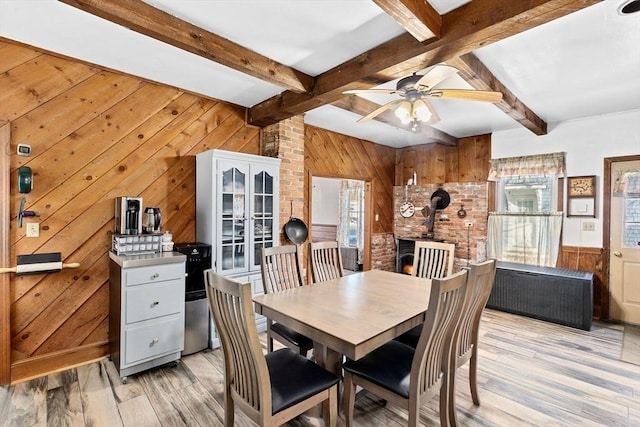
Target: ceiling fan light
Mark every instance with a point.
(421, 111)
(403, 112)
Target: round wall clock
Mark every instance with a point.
(407, 209)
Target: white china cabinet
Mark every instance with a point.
(237, 214)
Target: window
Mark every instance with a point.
(628, 186)
(355, 214)
(526, 227)
(530, 193)
(351, 215)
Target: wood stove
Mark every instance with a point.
(404, 255)
(405, 247)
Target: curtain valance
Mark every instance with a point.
(540, 164)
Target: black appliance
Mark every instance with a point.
(196, 317)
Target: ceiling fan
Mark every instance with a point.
(413, 106)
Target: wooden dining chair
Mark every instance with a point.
(433, 260)
(326, 261)
(481, 280)
(280, 267)
(271, 389)
(407, 376)
(430, 260)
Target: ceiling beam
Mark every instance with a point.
(472, 26)
(479, 77)
(362, 106)
(150, 21)
(418, 17)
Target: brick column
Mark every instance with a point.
(285, 140)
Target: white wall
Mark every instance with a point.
(324, 199)
(586, 143)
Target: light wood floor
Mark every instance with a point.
(531, 373)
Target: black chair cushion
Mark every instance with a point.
(294, 378)
(289, 334)
(388, 366)
(411, 337)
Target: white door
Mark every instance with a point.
(624, 285)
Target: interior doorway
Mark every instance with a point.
(339, 212)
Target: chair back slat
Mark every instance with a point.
(432, 354)
(326, 261)
(433, 260)
(481, 280)
(280, 267)
(246, 369)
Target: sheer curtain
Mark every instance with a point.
(342, 230)
(525, 238)
(350, 230)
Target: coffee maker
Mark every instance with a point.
(128, 215)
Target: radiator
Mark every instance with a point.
(349, 258)
(555, 295)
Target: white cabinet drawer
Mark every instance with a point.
(163, 336)
(154, 300)
(156, 273)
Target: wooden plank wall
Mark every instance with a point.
(587, 259)
(328, 154)
(95, 135)
(324, 232)
(437, 164)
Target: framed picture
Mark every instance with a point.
(581, 196)
(582, 186)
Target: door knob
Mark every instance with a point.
(618, 254)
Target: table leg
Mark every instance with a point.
(329, 359)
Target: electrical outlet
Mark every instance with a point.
(33, 229)
(468, 224)
(588, 226)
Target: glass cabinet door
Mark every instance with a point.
(264, 190)
(233, 218)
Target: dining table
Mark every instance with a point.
(351, 315)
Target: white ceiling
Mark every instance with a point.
(584, 64)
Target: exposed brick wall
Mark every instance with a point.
(447, 225)
(289, 142)
(289, 136)
(383, 252)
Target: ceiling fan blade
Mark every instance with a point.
(379, 91)
(380, 110)
(435, 75)
(468, 95)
